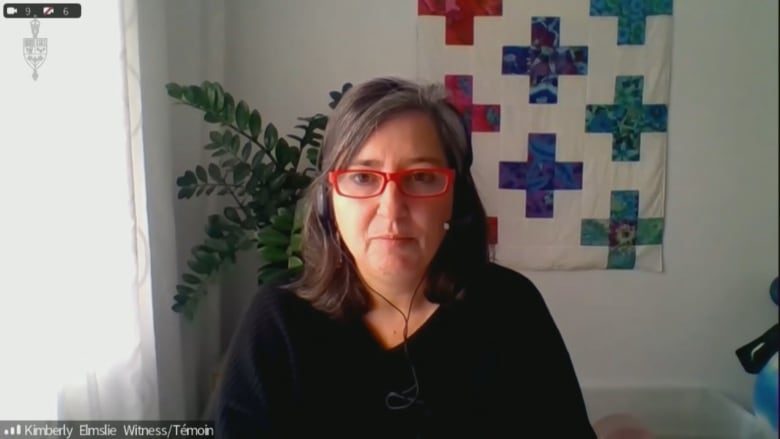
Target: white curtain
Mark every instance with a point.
(76, 333)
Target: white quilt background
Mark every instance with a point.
(555, 243)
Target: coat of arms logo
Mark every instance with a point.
(35, 49)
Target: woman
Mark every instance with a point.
(399, 326)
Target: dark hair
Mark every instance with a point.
(329, 280)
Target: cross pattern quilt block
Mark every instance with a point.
(567, 102)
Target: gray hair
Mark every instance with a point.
(329, 280)
(368, 105)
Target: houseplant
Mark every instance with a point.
(263, 174)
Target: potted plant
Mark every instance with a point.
(263, 174)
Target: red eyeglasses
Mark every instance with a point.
(417, 183)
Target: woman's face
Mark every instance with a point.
(393, 234)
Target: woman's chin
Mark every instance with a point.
(398, 267)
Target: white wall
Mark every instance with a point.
(622, 328)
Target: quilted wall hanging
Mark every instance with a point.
(567, 101)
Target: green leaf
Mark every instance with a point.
(216, 137)
(211, 93)
(212, 146)
(219, 99)
(271, 274)
(246, 244)
(313, 155)
(174, 90)
(269, 236)
(295, 271)
(212, 117)
(190, 94)
(282, 153)
(214, 227)
(230, 162)
(271, 136)
(191, 279)
(186, 193)
(210, 189)
(299, 181)
(249, 223)
(199, 266)
(246, 151)
(294, 262)
(262, 195)
(235, 143)
(294, 156)
(227, 137)
(285, 195)
(214, 172)
(200, 171)
(242, 115)
(298, 221)
(296, 243)
(283, 222)
(202, 251)
(277, 182)
(257, 161)
(187, 179)
(232, 214)
(240, 172)
(189, 308)
(255, 124)
(203, 97)
(228, 109)
(184, 289)
(219, 245)
(273, 254)
(319, 122)
(283, 211)
(268, 171)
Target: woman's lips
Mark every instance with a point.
(393, 238)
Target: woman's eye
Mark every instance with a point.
(363, 178)
(423, 177)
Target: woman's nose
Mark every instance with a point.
(392, 203)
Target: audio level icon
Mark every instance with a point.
(13, 431)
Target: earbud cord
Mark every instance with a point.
(415, 387)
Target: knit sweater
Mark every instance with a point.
(488, 364)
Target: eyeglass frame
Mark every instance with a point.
(395, 177)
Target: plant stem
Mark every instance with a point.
(260, 145)
(235, 128)
(229, 187)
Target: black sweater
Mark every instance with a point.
(489, 364)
